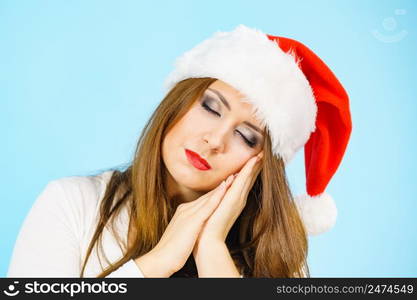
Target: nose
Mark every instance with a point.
(216, 139)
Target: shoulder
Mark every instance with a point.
(74, 199)
(82, 190)
(54, 232)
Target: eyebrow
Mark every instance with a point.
(228, 107)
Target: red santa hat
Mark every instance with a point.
(293, 93)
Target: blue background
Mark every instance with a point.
(79, 79)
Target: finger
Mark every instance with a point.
(261, 154)
(205, 209)
(245, 178)
(204, 198)
(245, 172)
(218, 196)
(212, 197)
(254, 173)
(252, 178)
(255, 166)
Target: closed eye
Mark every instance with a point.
(248, 142)
(209, 109)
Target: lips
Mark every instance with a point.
(197, 161)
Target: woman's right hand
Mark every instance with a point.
(178, 240)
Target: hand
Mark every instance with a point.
(178, 240)
(218, 225)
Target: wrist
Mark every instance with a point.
(153, 264)
(206, 247)
(211, 240)
(213, 259)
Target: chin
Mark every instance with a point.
(198, 186)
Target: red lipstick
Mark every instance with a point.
(197, 161)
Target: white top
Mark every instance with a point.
(59, 227)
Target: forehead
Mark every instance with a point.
(234, 97)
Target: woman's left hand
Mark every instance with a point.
(221, 221)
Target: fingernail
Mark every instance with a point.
(260, 157)
(229, 179)
(223, 184)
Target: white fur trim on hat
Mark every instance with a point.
(318, 213)
(269, 78)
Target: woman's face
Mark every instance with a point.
(220, 128)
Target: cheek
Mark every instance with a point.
(198, 120)
(234, 162)
(174, 143)
(190, 125)
(179, 133)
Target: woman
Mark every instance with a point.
(206, 194)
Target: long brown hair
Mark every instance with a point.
(267, 240)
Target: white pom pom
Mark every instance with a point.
(318, 213)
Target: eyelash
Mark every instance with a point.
(249, 143)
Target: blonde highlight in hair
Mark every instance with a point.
(267, 240)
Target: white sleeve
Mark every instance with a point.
(128, 269)
(47, 245)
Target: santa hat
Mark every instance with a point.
(294, 94)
